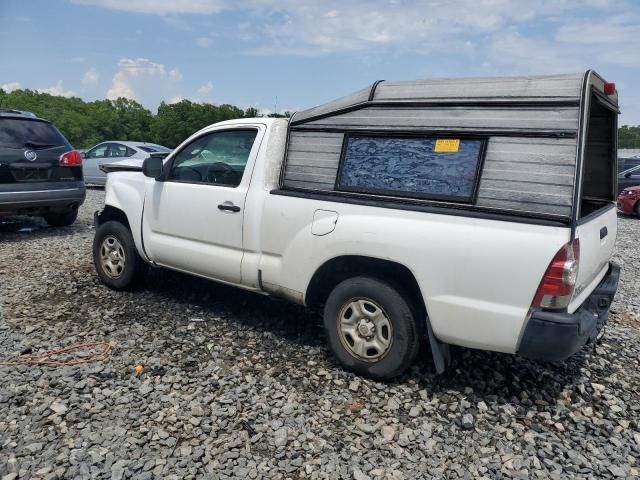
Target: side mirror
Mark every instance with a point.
(152, 167)
(83, 154)
(627, 175)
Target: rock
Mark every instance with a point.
(365, 427)
(58, 408)
(616, 471)
(34, 447)
(388, 433)
(358, 475)
(467, 421)
(146, 389)
(280, 437)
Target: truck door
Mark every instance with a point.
(193, 218)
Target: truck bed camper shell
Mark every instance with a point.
(545, 144)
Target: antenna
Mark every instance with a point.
(275, 106)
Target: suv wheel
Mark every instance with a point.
(115, 257)
(371, 327)
(61, 219)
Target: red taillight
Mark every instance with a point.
(556, 287)
(71, 159)
(609, 88)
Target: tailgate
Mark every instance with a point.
(597, 235)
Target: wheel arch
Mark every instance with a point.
(111, 213)
(337, 269)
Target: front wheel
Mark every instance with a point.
(372, 328)
(115, 257)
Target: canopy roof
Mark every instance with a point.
(534, 89)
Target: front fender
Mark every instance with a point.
(125, 191)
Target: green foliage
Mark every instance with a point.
(629, 137)
(87, 123)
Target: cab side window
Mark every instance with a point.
(216, 158)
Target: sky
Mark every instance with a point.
(282, 55)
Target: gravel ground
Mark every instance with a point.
(251, 391)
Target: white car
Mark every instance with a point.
(117, 152)
(470, 212)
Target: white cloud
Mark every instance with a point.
(309, 27)
(157, 7)
(143, 80)
(204, 42)
(57, 90)
(614, 40)
(205, 89)
(90, 77)
(10, 87)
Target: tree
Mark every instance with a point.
(629, 137)
(87, 123)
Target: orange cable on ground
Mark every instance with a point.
(44, 359)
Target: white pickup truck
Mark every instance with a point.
(470, 212)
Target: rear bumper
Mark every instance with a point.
(554, 336)
(17, 198)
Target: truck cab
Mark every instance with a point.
(470, 212)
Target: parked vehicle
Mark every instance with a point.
(629, 178)
(629, 201)
(471, 212)
(125, 153)
(40, 172)
(625, 164)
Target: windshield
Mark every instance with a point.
(18, 133)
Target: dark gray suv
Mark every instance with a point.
(40, 172)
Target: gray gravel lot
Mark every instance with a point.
(252, 392)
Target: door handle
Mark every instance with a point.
(228, 207)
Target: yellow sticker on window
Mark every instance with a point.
(447, 145)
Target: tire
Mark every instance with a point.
(395, 341)
(116, 258)
(638, 208)
(62, 219)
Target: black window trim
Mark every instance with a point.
(95, 148)
(174, 154)
(469, 200)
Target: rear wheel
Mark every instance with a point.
(61, 219)
(371, 327)
(115, 257)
